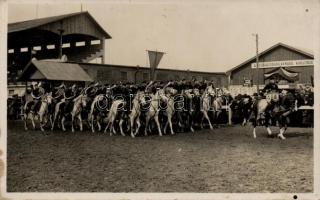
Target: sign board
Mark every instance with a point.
(247, 82)
(285, 63)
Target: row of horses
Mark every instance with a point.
(161, 110)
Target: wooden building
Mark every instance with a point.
(136, 74)
(288, 65)
(77, 35)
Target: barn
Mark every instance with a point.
(288, 65)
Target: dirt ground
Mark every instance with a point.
(224, 160)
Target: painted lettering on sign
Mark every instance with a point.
(285, 63)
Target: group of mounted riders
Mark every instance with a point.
(179, 106)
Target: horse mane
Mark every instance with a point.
(77, 98)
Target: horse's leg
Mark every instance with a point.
(41, 122)
(32, 120)
(165, 127)
(25, 116)
(282, 128)
(205, 114)
(138, 126)
(254, 123)
(99, 125)
(170, 124)
(62, 123)
(191, 122)
(147, 124)
(131, 125)
(120, 124)
(54, 120)
(267, 125)
(80, 121)
(156, 118)
(72, 122)
(105, 130)
(201, 123)
(92, 125)
(111, 127)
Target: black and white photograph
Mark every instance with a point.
(160, 97)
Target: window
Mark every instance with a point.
(11, 51)
(25, 49)
(79, 44)
(94, 42)
(37, 48)
(66, 45)
(52, 46)
(123, 76)
(11, 92)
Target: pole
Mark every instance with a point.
(60, 42)
(154, 69)
(257, 61)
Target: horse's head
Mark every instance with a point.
(48, 98)
(211, 91)
(161, 95)
(171, 91)
(141, 97)
(196, 92)
(84, 99)
(188, 93)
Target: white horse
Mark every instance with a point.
(112, 114)
(171, 92)
(92, 116)
(153, 111)
(135, 113)
(206, 97)
(78, 104)
(46, 100)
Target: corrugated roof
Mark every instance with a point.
(268, 50)
(58, 71)
(34, 23)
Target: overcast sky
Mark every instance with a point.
(208, 36)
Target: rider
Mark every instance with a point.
(69, 94)
(36, 92)
(271, 87)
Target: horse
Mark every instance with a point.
(78, 104)
(171, 92)
(153, 111)
(135, 113)
(223, 98)
(192, 103)
(284, 105)
(40, 111)
(96, 111)
(242, 105)
(206, 104)
(117, 105)
(55, 106)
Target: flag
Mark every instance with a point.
(154, 60)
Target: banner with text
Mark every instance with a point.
(285, 63)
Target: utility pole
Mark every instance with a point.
(257, 60)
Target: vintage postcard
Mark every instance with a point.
(160, 99)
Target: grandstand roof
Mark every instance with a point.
(35, 23)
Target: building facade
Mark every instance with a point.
(289, 66)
